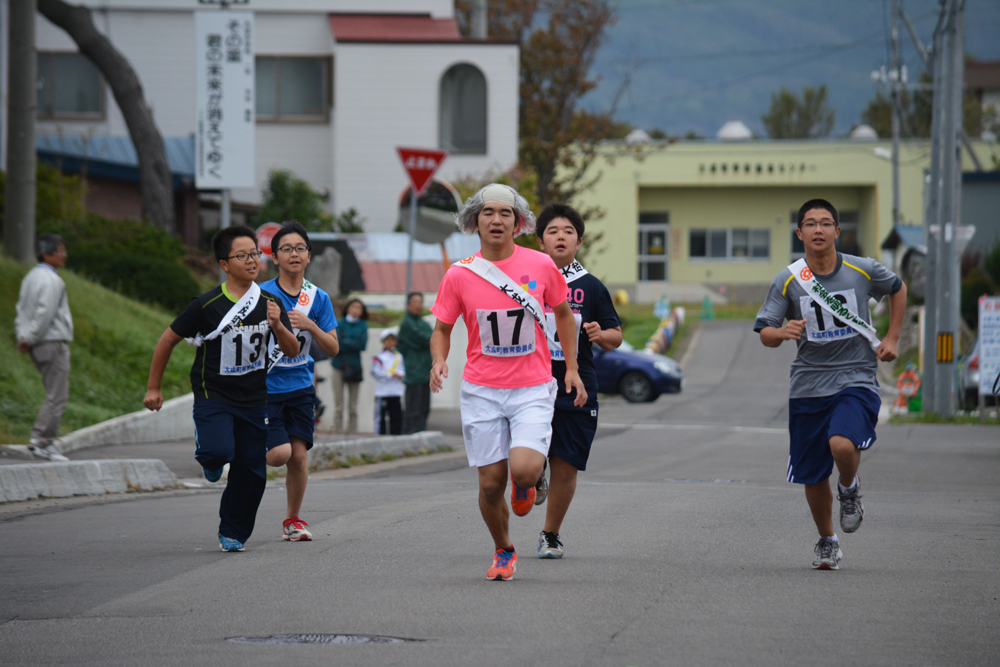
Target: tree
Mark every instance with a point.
(559, 40)
(790, 117)
(916, 109)
(155, 180)
(288, 197)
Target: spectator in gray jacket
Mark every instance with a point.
(44, 327)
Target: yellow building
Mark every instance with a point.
(685, 216)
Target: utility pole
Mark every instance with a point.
(944, 215)
(19, 193)
(897, 81)
(479, 21)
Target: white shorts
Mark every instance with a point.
(495, 420)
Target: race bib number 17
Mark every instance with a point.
(506, 333)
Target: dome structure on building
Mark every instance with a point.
(734, 130)
(638, 136)
(864, 133)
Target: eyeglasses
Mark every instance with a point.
(244, 256)
(289, 249)
(825, 225)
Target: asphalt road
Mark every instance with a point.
(685, 546)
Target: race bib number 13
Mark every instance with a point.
(242, 351)
(506, 333)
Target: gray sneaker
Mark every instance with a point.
(828, 554)
(541, 489)
(549, 545)
(852, 511)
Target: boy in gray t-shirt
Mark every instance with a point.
(833, 399)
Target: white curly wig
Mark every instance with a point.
(468, 218)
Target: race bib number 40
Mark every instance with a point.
(506, 333)
(821, 325)
(243, 350)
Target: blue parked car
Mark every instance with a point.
(638, 376)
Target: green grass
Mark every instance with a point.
(934, 418)
(114, 341)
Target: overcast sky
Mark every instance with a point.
(694, 64)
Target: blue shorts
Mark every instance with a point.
(572, 435)
(851, 413)
(291, 415)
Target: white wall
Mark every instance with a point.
(446, 399)
(387, 95)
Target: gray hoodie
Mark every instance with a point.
(42, 308)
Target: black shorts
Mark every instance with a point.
(572, 435)
(291, 415)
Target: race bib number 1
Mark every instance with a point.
(821, 325)
(305, 344)
(242, 351)
(506, 333)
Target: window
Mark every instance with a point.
(847, 242)
(293, 89)
(654, 229)
(462, 113)
(69, 86)
(725, 243)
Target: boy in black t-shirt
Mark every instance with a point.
(230, 324)
(560, 233)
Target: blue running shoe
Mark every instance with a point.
(213, 475)
(228, 543)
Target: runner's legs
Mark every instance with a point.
(562, 487)
(493, 502)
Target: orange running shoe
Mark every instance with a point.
(521, 499)
(504, 564)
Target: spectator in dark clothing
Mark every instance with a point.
(415, 346)
(347, 365)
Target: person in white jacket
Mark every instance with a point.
(388, 369)
(44, 328)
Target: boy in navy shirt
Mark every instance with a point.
(231, 325)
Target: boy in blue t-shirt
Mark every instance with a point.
(290, 390)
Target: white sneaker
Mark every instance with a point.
(49, 452)
(549, 545)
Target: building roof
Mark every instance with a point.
(112, 157)
(982, 75)
(382, 258)
(399, 28)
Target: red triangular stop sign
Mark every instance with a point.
(420, 165)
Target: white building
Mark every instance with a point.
(339, 85)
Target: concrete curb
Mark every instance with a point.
(172, 422)
(26, 481)
(323, 453)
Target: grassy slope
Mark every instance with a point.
(114, 341)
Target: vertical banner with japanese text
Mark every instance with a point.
(224, 139)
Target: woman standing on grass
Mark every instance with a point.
(347, 365)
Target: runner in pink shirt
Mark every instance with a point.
(508, 391)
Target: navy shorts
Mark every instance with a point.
(224, 433)
(851, 413)
(572, 435)
(291, 415)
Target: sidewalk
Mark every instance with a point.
(118, 468)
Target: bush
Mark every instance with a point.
(991, 262)
(149, 279)
(123, 238)
(974, 285)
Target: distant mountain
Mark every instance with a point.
(683, 65)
